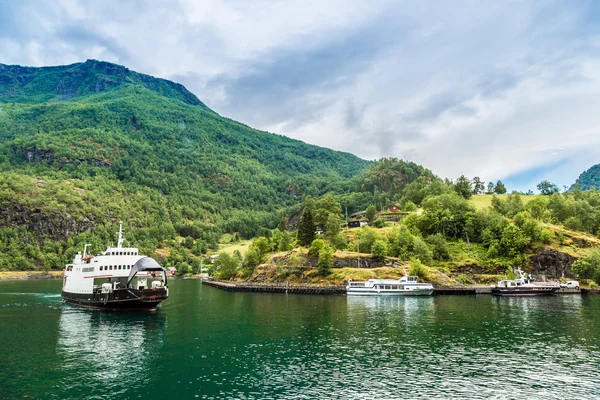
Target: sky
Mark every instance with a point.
(501, 90)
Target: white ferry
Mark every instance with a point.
(405, 286)
(119, 278)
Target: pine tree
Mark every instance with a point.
(306, 229)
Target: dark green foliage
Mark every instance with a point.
(588, 267)
(478, 185)
(306, 229)
(463, 187)
(226, 266)
(499, 188)
(379, 223)
(371, 212)
(439, 247)
(390, 175)
(547, 188)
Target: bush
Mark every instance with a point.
(546, 236)
(439, 247)
(316, 247)
(464, 279)
(379, 223)
(379, 249)
(325, 260)
(422, 251)
(417, 268)
(339, 241)
(409, 206)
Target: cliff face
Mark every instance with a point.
(553, 263)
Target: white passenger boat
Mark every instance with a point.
(119, 278)
(405, 286)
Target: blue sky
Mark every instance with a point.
(500, 90)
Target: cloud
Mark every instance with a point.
(499, 90)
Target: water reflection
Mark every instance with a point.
(112, 351)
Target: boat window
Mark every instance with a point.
(100, 268)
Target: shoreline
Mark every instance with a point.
(29, 275)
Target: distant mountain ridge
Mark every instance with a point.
(25, 84)
(589, 179)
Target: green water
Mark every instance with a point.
(205, 343)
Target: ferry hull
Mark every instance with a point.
(126, 299)
(523, 291)
(424, 292)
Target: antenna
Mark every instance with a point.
(121, 238)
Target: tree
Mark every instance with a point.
(333, 225)
(325, 260)
(499, 188)
(306, 229)
(490, 188)
(316, 247)
(371, 211)
(226, 266)
(547, 188)
(283, 223)
(478, 185)
(463, 187)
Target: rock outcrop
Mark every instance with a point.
(553, 263)
(41, 223)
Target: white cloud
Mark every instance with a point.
(488, 89)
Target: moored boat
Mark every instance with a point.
(524, 286)
(118, 278)
(405, 286)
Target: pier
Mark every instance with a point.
(276, 287)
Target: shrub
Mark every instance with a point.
(316, 247)
(379, 249)
(417, 268)
(409, 206)
(422, 251)
(546, 236)
(464, 279)
(439, 247)
(339, 241)
(379, 223)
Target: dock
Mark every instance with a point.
(276, 287)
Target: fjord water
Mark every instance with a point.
(208, 344)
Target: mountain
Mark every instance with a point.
(589, 179)
(85, 145)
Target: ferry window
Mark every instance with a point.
(100, 268)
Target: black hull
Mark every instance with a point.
(124, 299)
(523, 291)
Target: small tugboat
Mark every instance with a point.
(405, 286)
(119, 278)
(524, 286)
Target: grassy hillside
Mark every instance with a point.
(483, 201)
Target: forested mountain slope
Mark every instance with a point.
(85, 145)
(589, 179)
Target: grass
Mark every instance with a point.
(483, 201)
(229, 248)
(26, 274)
